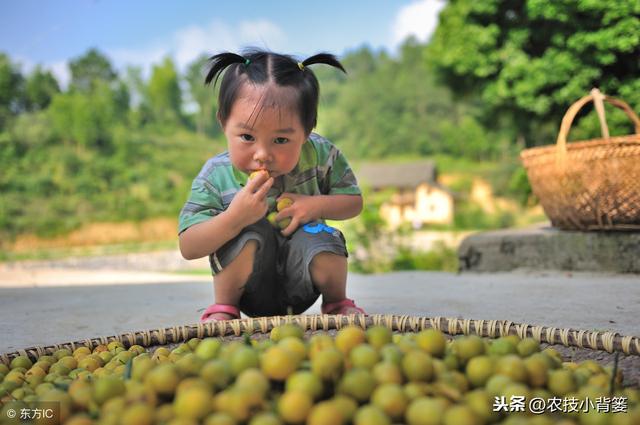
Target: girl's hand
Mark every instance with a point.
(304, 209)
(250, 203)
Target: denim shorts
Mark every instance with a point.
(280, 281)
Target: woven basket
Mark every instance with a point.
(593, 184)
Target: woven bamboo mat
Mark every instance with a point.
(601, 341)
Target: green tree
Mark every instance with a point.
(202, 95)
(121, 99)
(140, 112)
(89, 68)
(40, 87)
(164, 94)
(531, 59)
(394, 106)
(11, 90)
(86, 120)
(361, 61)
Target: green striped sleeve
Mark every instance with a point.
(335, 170)
(204, 202)
(341, 177)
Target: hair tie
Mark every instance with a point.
(247, 62)
(301, 66)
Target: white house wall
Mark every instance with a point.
(433, 205)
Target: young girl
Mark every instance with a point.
(267, 108)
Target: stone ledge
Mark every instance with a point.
(543, 247)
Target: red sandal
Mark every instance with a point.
(219, 308)
(340, 307)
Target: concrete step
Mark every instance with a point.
(542, 247)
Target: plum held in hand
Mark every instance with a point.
(257, 173)
(282, 204)
(282, 224)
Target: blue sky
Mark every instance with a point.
(142, 32)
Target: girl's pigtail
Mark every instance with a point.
(219, 63)
(326, 59)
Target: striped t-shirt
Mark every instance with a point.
(321, 170)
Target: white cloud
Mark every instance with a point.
(61, 71)
(25, 64)
(186, 44)
(262, 33)
(419, 19)
(190, 42)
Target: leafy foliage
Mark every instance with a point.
(440, 258)
(530, 59)
(164, 94)
(203, 96)
(40, 87)
(11, 90)
(89, 69)
(395, 107)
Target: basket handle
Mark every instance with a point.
(597, 97)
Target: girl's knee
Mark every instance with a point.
(242, 265)
(327, 267)
(246, 256)
(251, 247)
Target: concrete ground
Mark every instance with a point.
(48, 307)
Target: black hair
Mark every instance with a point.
(262, 67)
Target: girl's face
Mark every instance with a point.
(262, 136)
